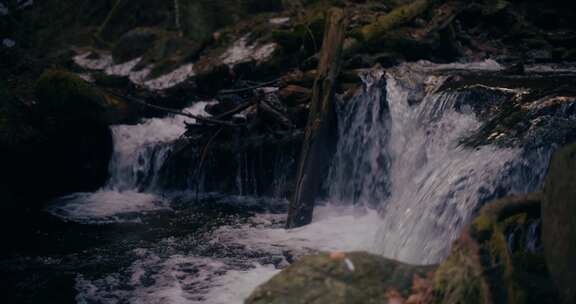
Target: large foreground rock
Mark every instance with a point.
(355, 277)
(559, 222)
(498, 258)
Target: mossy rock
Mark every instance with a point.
(559, 221)
(168, 53)
(135, 43)
(48, 139)
(126, 15)
(492, 262)
(66, 96)
(15, 126)
(458, 279)
(355, 277)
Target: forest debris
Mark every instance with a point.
(203, 119)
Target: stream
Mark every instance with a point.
(401, 185)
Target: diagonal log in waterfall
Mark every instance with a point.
(319, 142)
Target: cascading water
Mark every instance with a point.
(139, 153)
(402, 184)
(361, 164)
(402, 153)
(436, 182)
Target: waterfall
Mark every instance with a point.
(400, 151)
(402, 184)
(133, 187)
(361, 165)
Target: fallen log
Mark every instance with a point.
(250, 88)
(380, 28)
(175, 112)
(395, 18)
(321, 130)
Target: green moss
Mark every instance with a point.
(482, 227)
(458, 279)
(66, 96)
(324, 280)
(559, 221)
(483, 264)
(393, 19)
(126, 15)
(135, 43)
(63, 93)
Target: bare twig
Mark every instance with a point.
(224, 92)
(203, 157)
(176, 112)
(236, 110)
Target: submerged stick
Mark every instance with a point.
(321, 130)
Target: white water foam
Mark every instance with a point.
(105, 207)
(335, 228)
(231, 277)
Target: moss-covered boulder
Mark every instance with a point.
(559, 221)
(62, 136)
(67, 97)
(135, 43)
(163, 49)
(341, 278)
(499, 258)
(126, 15)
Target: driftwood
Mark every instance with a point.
(250, 88)
(320, 137)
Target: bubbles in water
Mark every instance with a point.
(107, 206)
